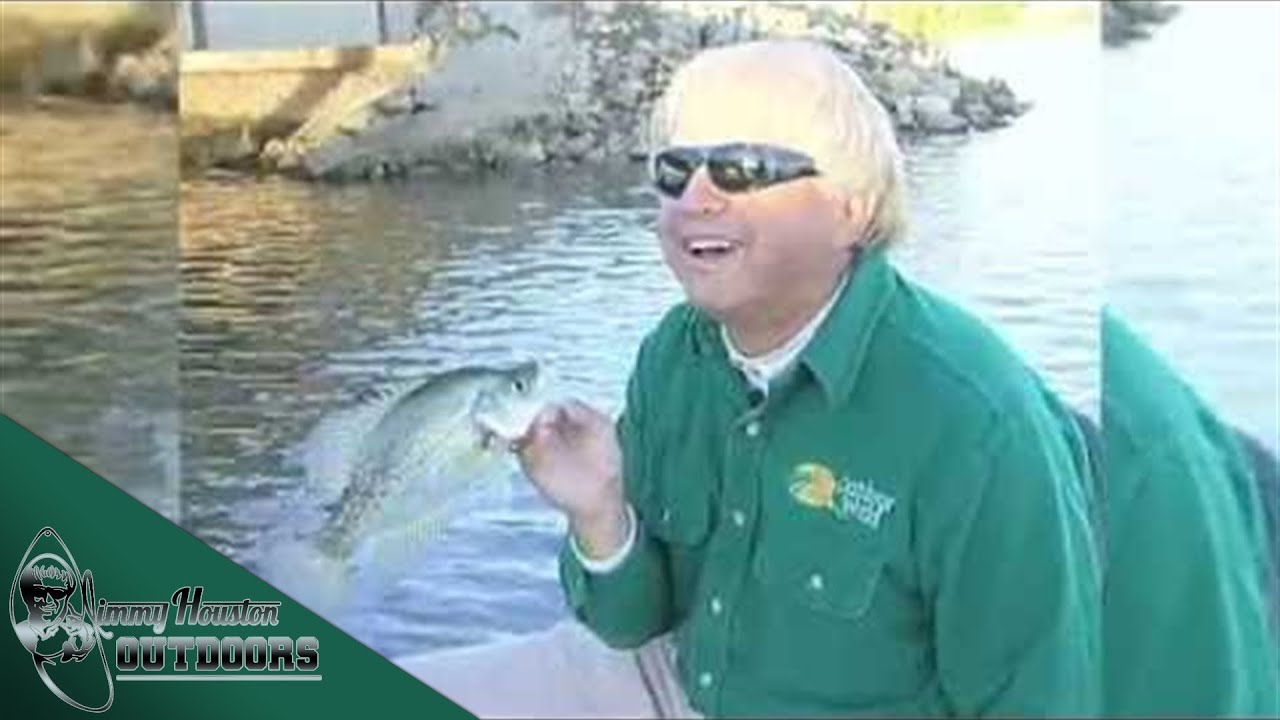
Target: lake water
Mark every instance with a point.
(294, 298)
(89, 288)
(1192, 187)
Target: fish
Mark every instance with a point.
(430, 446)
(397, 467)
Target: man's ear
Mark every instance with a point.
(856, 211)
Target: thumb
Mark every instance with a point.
(581, 414)
(544, 426)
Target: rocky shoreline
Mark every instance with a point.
(131, 56)
(622, 57)
(631, 55)
(1124, 21)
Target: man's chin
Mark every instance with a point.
(711, 296)
(716, 307)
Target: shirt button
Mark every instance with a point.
(753, 428)
(704, 680)
(816, 581)
(716, 606)
(666, 514)
(739, 518)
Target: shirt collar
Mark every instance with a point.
(838, 349)
(835, 353)
(760, 370)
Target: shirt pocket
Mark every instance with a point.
(827, 566)
(681, 519)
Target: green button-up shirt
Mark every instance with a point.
(1187, 628)
(901, 527)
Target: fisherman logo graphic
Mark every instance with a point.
(60, 621)
(816, 486)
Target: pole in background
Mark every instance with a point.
(199, 31)
(384, 35)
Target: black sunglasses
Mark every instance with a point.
(733, 168)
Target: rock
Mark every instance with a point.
(230, 148)
(941, 86)
(901, 82)
(1001, 100)
(520, 151)
(1146, 11)
(1123, 22)
(933, 114)
(616, 145)
(151, 76)
(903, 117)
(979, 115)
(277, 155)
(720, 31)
(577, 147)
(973, 91)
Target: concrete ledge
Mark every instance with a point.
(273, 91)
(348, 58)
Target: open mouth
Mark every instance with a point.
(709, 248)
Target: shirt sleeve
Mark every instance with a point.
(1017, 588)
(629, 603)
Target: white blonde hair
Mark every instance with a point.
(820, 107)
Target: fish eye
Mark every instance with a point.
(519, 385)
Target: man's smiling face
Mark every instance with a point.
(44, 597)
(760, 253)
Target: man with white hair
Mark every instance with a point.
(831, 492)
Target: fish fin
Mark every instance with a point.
(301, 571)
(329, 451)
(390, 392)
(394, 549)
(495, 495)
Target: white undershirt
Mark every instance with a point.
(759, 370)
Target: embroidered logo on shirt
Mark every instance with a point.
(815, 485)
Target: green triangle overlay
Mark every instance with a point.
(137, 555)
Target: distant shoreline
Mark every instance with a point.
(562, 87)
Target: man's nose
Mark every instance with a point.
(701, 196)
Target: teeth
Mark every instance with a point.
(699, 246)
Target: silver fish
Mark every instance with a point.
(426, 449)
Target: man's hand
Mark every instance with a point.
(572, 456)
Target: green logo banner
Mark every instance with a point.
(118, 612)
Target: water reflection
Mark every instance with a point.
(88, 288)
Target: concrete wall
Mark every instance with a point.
(277, 90)
(495, 79)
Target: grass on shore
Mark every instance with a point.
(941, 21)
